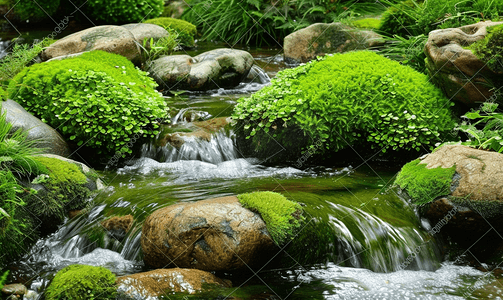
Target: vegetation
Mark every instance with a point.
(3, 279)
(408, 51)
(359, 99)
(82, 282)
(163, 46)
(281, 216)
(367, 23)
(34, 10)
(185, 30)
(121, 12)
(489, 49)
(424, 185)
(97, 99)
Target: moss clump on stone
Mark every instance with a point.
(424, 185)
(82, 282)
(367, 23)
(186, 31)
(281, 216)
(490, 48)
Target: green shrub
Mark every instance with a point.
(34, 10)
(400, 19)
(281, 216)
(356, 99)
(490, 48)
(97, 99)
(424, 185)
(186, 31)
(121, 12)
(82, 282)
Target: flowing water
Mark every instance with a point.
(372, 245)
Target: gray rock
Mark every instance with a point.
(14, 289)
(319, 39)
(219, 68)
(109, 38)
(142, 31)
(44, 135)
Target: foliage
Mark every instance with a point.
(186, 31)
(489, 49)
(490, 137)
(120, 12)
(3, 279)
(29, 9)
(163, 46)
(408, 51)
(281, 216)
(97, 99)
(400, 19)
(264, 22)
(82, 282)
(367, 23)
(424, 185)
(356, 99)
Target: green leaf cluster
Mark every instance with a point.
(161, 47)
(424, 185)
(82, 282)
(281, 216)
(490, 48)
(121, 12)
(3, 279)
(185, 30)
(38, 10)
(356, 99)
(98, 99)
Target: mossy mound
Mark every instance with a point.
(281, 216)
(367, 23)
(82, 282)
(490, 49)
(186, 31)
(424, 185)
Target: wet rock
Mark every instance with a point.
(319, 39)
(219, 68)
(456, 70)
(200, 130)
(109, 38)
(142, 31)
(213, 235)
(14, 289)
(150, 285)
(118, 227)
(44, 135)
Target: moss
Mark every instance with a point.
(186, 31)
(424, 185)
(62, 172)
(82, 282)
(281, 216)
(367, 23)
(490, 48)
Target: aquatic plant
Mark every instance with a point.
(281, 216)
(97, 99)
(185, 30)
(82, 282)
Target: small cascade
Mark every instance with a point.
(188, 114)
(220, 148)
(256, 79)
(258, 75)
(4, 45)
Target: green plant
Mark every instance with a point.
(97, 99)
(38, 10)
(3, 279)
(345, 100)
(82, 282)
(185, 30)
(424, 185)
(408, 51)
(120, 12)
(281, 216)
(367, 23)
(490, 48)
(401, 18)
(163, 46)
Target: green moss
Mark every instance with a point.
(82, 282)
(424, 185)
(367, 23)
(490, 49)
(62, 172)
(186, 31)
(281, 216)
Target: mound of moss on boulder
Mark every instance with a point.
(357, 100)
(97, 100)
(489, 49)
(186, 31)
(82, 282)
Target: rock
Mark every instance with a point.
(142, 31)
(175, 9)
(109, 38)
(456, 70)
(200, 130)
(150, 285)
(212, 235)
(319, 39)
(14, 289)
(118, 227)
(44, 135)
(219, 68)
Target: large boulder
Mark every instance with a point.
(456, 70)
(142, 31)
(319, 39)
(219, 68)
(43, 135)
(109, 38)
(151, 285)
(212, 235)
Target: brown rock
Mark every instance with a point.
(201, 130)
(14, 289)
(319, 39)
(462, 75)
(213, 235)
(162, 281)
(118, 227)
(109, 38)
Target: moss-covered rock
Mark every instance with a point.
(82, 282)
(186, 31)
(282, 216)
(490, 48)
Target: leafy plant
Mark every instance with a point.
(356, 99)
(163, 46)
(3, 278)
(185, 30)
(490, 48)
(408, 51)
(97, 99)
(34, 10)
(120, 12)
(82, 282)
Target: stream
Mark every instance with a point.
(369, 232)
